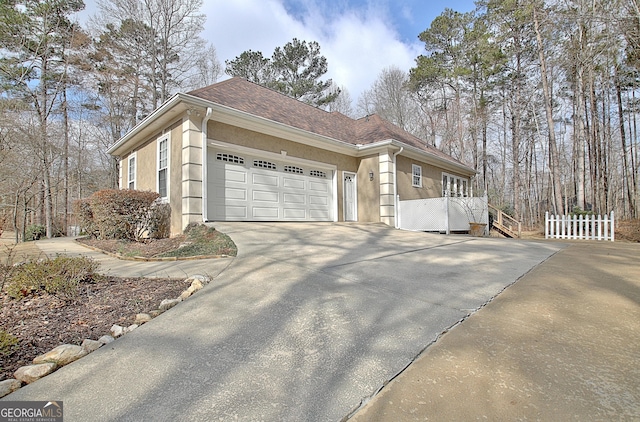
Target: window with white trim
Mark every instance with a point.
(455, 185)
(131, 171)
(163, 167)
(318, 173)
(416, 176)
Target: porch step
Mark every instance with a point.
(505, 231)
(505, 224)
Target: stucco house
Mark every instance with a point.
(236, 151)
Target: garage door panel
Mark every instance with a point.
(235, 175)
(319, 186)
(235, 194)
(318, 200)
(319, 214)
(231, 212)
(290, 198)
(265, 213)
(266, 196)
(295, 213)
(288, 182)
(265, 180)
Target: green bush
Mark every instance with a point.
(34, 232)
(60, 276)
(7, 343)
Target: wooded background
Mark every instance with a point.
(538, 96)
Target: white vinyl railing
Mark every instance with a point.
(445, 214)
(583, 227)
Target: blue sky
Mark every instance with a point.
(359, 37)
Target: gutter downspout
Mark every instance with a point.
(204, 130)
(395, 188)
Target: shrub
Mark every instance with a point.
(34, 232)
(7, 343)
(205, 240)
(82, 210)
(60, 276)
(124, 214)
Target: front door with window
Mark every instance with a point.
(350, 197)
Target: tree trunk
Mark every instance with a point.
(554, 162)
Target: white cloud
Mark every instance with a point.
(358, 44)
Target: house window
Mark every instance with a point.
(416, 176)
(318, 173)
(264, 164)
(455, 186)
(131, 165)
(229, 158)
(293, 169)
(163, 167)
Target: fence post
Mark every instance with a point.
(613, 231)
(580, 226)
(446, 213)
(546, 225)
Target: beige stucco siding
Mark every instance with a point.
(147, 165)
(431, 179)
(234, 135)
(368, 190)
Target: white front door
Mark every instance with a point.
(350, 197)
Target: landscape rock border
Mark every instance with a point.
(64, 354)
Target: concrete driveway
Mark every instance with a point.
(308, 321)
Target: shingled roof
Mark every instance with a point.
(242, 95)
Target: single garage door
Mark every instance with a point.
(252, 188)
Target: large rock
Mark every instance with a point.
(116, 331)
(31, 373)
(9, 386)
(130, 328)
(186, 294)
(196, 285)
(91, 345)
(142, 319)
(202, 278)
(106, 339)
(169, 303)
(62, 355)
(155, 313)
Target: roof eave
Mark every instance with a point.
(121, 146)
(417, 153)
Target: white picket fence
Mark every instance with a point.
(583, 227)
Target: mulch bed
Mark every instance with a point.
(44, 321)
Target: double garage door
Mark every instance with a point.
(252, 188)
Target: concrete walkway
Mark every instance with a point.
(562, 344)
(123, 268)
(307, 321)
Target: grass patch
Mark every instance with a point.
(203, 240)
